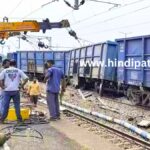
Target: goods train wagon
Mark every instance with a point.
(90, 68)
(135, 79)
(12, 56)
(32, 62)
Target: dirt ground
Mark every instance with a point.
(52, 140)
(59, 135)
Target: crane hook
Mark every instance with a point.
(2, 42)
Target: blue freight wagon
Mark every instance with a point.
(98, 66)
(32, 62)
(135, 77)
(12, 55)
(89, 65)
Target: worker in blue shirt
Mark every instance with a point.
(54, 76)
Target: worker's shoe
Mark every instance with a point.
(53, 119)
(58, 118)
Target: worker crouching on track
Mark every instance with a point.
(12, 77)
(54, 76)
(34, 92)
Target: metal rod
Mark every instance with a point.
(76, 4)
(123, 123)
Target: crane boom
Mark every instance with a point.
(19, 26)
(10, 28)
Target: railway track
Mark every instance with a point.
(110, 97)
(118, 137)
(114, 99)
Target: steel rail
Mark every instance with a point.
(124, 135)
(107, 98)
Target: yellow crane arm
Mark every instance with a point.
(19, 26)
(12, 28)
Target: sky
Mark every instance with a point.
(94, 22)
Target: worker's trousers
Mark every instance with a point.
(53, 104)
(1, 101)
(8, 95)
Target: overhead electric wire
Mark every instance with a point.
(35, 47)
(37, 9)
(104, 12)
(34, 41)
(78, 39)
(14, 9)
(116, 17)
(29, 42)
(48, 3)
(112, 29)
(104, 2)
(69, 13)
(32, 12)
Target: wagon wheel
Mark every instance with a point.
(146, 99)
(134, 96)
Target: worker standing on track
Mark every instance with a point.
(5, 65)
(34, 92)
(53, 77)
(11, 78)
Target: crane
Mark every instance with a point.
(8, 29)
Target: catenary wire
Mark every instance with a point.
(104, 2)
(14, 9)
(121, 27)
(104, 12)
(33, 41)
(36, 10)
(67, 14)
(116, 17)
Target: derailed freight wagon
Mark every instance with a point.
(135, 78)
(90, 68)
(32, 62)
(12, 55)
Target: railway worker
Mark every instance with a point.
(54, 76)
(34, 91)
(5, 65)
(12, 77)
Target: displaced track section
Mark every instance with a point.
(135, 143)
